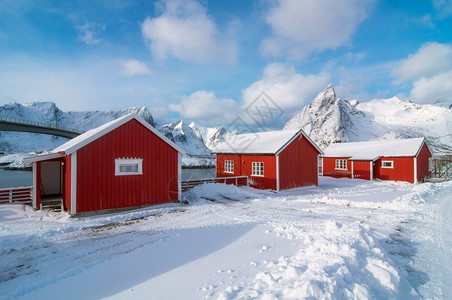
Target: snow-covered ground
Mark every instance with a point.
(347, 239)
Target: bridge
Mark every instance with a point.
(12, 124)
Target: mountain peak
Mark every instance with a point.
(328, 119)
(324, 99)
(328, 91)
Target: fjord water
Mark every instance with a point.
(10, 178)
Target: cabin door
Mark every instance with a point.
(51, 178)
(376, 169)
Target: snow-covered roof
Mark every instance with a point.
(373, 149)
(269, 142)
(84, 139)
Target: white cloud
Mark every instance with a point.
(288, 89)
(186, 32)
(430, 72)
(428, 90)
(206, 108)
(134, 67)
(443, 6)
(303, 26)
(88, 33)
(429, 60)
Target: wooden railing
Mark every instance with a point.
(238, 181)
(338, 174)
(441, 167)
(16, 195)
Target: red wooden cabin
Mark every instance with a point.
(122, 164)
(276, 160)
(398, 160)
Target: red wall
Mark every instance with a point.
(329, 168)
(243, 167)
(403, 169)
(422, 162)
(361, 169)
(97, 186)
(298, 165)
(220, 165)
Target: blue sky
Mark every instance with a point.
(207, 61)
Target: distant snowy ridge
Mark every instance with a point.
(195, 140)
(48, 112)
(328, 119)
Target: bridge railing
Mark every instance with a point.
(38, 124)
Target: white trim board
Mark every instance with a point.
(74, 183)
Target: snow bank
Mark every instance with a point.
(340, 262)
(216, 192)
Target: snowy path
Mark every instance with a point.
(431, 232)
(446, 237)
(345, 239)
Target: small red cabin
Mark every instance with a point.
(122, 164)
(276, 160)
(398, 160)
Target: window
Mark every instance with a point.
(257, 169)
(229, 166)
(126, 166)
(341, 164)
(387, 164)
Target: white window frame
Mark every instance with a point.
(229, 166)
(128, 162)
(341, 164)
(390, 162)
(257, 168)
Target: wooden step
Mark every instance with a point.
(53, 204)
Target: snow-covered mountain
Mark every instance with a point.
(194, 139)
(182, 134)
(210, 136)
(326, 119)
(49, 113)
(329, 119)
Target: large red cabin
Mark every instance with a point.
(122, 164)
(398, 160)
(276, 160)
